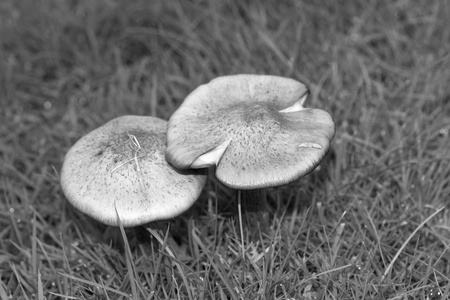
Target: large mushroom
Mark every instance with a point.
(118, 171)
(253, 128)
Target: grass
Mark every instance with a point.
(371, 223)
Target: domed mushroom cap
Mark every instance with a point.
(121, 165)
(254, 128)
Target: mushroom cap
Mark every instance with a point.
(254, 128)
(121, 166)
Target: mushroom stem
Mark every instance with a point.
(241, 229)
(253, 203)
(157, 230)
(163, 229)
(165, 246)
(254, 200)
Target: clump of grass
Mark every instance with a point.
(371, 223)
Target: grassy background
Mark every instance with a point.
(381, 68)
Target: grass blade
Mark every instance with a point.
(388, 269)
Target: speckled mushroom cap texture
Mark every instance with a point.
(254, 128)
(120, 166)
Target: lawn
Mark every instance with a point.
(372, 222)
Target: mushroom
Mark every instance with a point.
(118, 171)
(253, 129)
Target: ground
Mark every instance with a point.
(372, 222)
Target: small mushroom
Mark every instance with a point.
(253, 128)
(119, 170)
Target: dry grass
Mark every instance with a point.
(357, 228)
